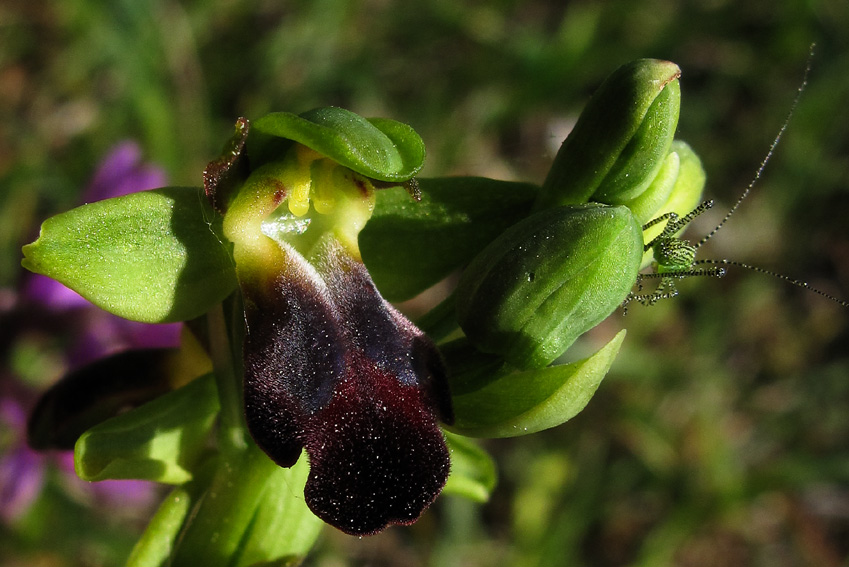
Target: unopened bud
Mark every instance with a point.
(547, 280)
(621, 139)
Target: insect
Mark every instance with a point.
(675, 257)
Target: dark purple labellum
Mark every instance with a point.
(331, 367)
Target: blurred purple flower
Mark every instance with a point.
(92, 333)
(22, 474)
(122, 172)
(21, 468)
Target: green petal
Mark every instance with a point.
(530, 401)
(378, 148)
(153, 256)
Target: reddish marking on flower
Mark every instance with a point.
(279, 194)
(362, 186)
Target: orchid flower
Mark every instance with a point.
(330, 366)
(323, 400)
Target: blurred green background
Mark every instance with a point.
(722, 435)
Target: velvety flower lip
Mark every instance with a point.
(332, 368)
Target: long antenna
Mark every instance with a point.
(798, 283)
(772, 147)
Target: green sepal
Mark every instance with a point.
(153, 256)
(547, 280)
(640, 160)
(473, 472)
(378, 148)
(158, 441)
(526, 402)
(408, 246)
(621, 123)
(253, 512)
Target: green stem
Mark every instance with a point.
(233, 427)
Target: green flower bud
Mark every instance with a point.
(621, 139)
(679, 195)
(547, 280)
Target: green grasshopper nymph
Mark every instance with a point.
(675, 257)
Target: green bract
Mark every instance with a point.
(547, 280)
(378, 148)
(520, 403)
(248, 513)
(159, 538)
(158, 441)
(408, 246)
(153, 256)
(620, 140)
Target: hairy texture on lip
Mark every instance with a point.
(382, 333)
(376, 453)
(331, 367)
(293, 359)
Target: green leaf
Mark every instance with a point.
(253, 512)
(473, 472)
(157, 441)
(408, 246)
(378, 148)
(283, 527)
(153, 256)
(530, 401)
